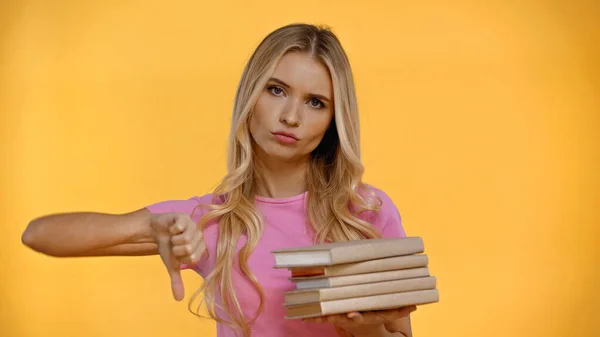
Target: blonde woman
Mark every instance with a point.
(294, 178)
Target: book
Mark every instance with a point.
(363, 267)
(358, 275)
(304, 296)
(364, 303)
(344, 280)
(328, 254)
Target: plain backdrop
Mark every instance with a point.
(480, 119)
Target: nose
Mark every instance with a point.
(290, 114)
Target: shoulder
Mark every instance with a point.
(377, 197)
(388, 219)
(387, 204)
(191, 206)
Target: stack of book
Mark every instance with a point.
(359, 275)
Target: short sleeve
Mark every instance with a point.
(173, 206)
(392, 228)
(389, 220)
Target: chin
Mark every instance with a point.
(282, 153)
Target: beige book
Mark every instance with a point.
(296, 297)
(345, 280)
(365, 303)
(327, 254)
(363, 267)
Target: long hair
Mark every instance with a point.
(335, 170)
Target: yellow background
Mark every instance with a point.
(481, 121)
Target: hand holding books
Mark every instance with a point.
(357, 323)
(357, 276)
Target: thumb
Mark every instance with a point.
(173, 267)
(176, 283)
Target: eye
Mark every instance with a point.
(275, 90)
(316, 103)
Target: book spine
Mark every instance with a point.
(375, 250)
(378, 288)
(377, 265)
(380, 302)
(378, 277)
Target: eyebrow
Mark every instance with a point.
(274, 79)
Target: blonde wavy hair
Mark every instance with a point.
(334, 175)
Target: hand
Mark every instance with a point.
(179, 241)
(363, 323)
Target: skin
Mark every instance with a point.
(293, 107)
(298, 99)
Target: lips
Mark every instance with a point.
(286, 137)
(286, 134)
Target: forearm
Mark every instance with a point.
(91, 234)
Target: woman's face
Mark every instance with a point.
(294, 110)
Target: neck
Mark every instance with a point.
(276, 179)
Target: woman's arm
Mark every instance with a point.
(92, 234)
(172, 235)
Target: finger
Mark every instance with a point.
(179, 224)
(355, 316)
(352, 314)
(196, 256)
(385, 316)
(173, 268)
(401, 312)
(368, 318)
(177, 227)
(177, 284)
(410, 309)
(185, 236)
(337, 319)
(188, 248)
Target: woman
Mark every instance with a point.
(294, 178)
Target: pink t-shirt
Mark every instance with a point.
(284, 226)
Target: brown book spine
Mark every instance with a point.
(371, 266)
(337, 281)
(384, 264)
(378, 277)
(378, 288)
(366, 303)
(380, 302)
(326, 294)
(371, 249)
